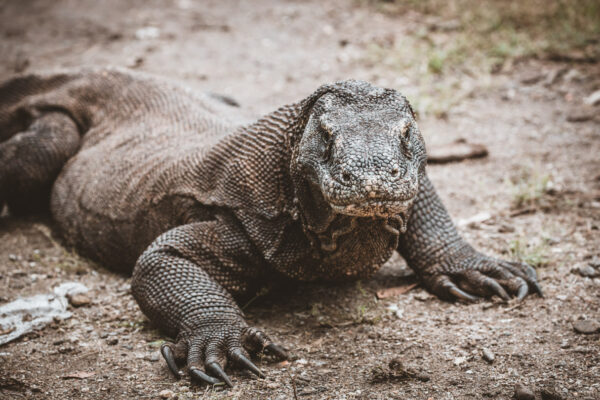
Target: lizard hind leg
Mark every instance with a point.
(31, 160)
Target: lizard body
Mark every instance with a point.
(146, 176)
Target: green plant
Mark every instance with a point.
(529, 188)
(533, 254)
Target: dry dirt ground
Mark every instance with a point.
(268, 53)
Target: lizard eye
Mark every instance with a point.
(404, 134)
(326, 133)
(404, 131)
(327, 139)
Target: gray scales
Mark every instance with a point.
(150, 178)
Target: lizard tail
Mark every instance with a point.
(35, 142)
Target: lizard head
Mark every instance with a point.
(361, 151)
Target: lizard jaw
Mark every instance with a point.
(382, 209)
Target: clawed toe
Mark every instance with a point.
(199, 375)
(276, 351)
(481, 276)
(215, 351)
(169, 356)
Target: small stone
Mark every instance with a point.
(112, 341)
(488, 355)
(509, 94)
(587, 327)
(65, 349)
(12, 257)
(423, 377)
(166, 394)
(506, 228)
(548, 394)
(422, 296)
(581, 116)
(523, 393)
(78, 300)
(147, 32)
(446, 26)
(573, 75)
(582, 350)
(152, 357)
(532, 78)
(587, 271)
(459, 360)
(103, 335)
(593, 99)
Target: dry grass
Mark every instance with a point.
(490, 32)
(470, 39)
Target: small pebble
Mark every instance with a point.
(65, 349)
(506, 228)
(587, 271)
(581, 116)
(166, 394)
(103, 335)
(112, 341)
(78, 300)
(586, 327)
(12, 257)
(488, 355)
(152, 357)
(523, 393)
(593, 99)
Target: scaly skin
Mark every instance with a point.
(145, 175)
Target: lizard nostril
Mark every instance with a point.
(346, 177)
(395, 172)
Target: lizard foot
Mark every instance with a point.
(471, 276)
(207, 354)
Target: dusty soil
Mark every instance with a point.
(265, 54)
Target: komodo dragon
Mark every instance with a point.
(143, 175)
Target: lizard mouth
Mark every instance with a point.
(381, 208)
(396, 211)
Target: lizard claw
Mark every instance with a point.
(217, 370)
(276, 351)
(169, 357)
(451, 288)
(243, 361)
(471, 276)
(201, 376)
(214, 349)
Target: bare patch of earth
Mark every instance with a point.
(536, 196)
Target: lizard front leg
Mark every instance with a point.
(180, 283)
(447, 265)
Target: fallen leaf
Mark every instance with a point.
(395, 291)
(79, 375)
